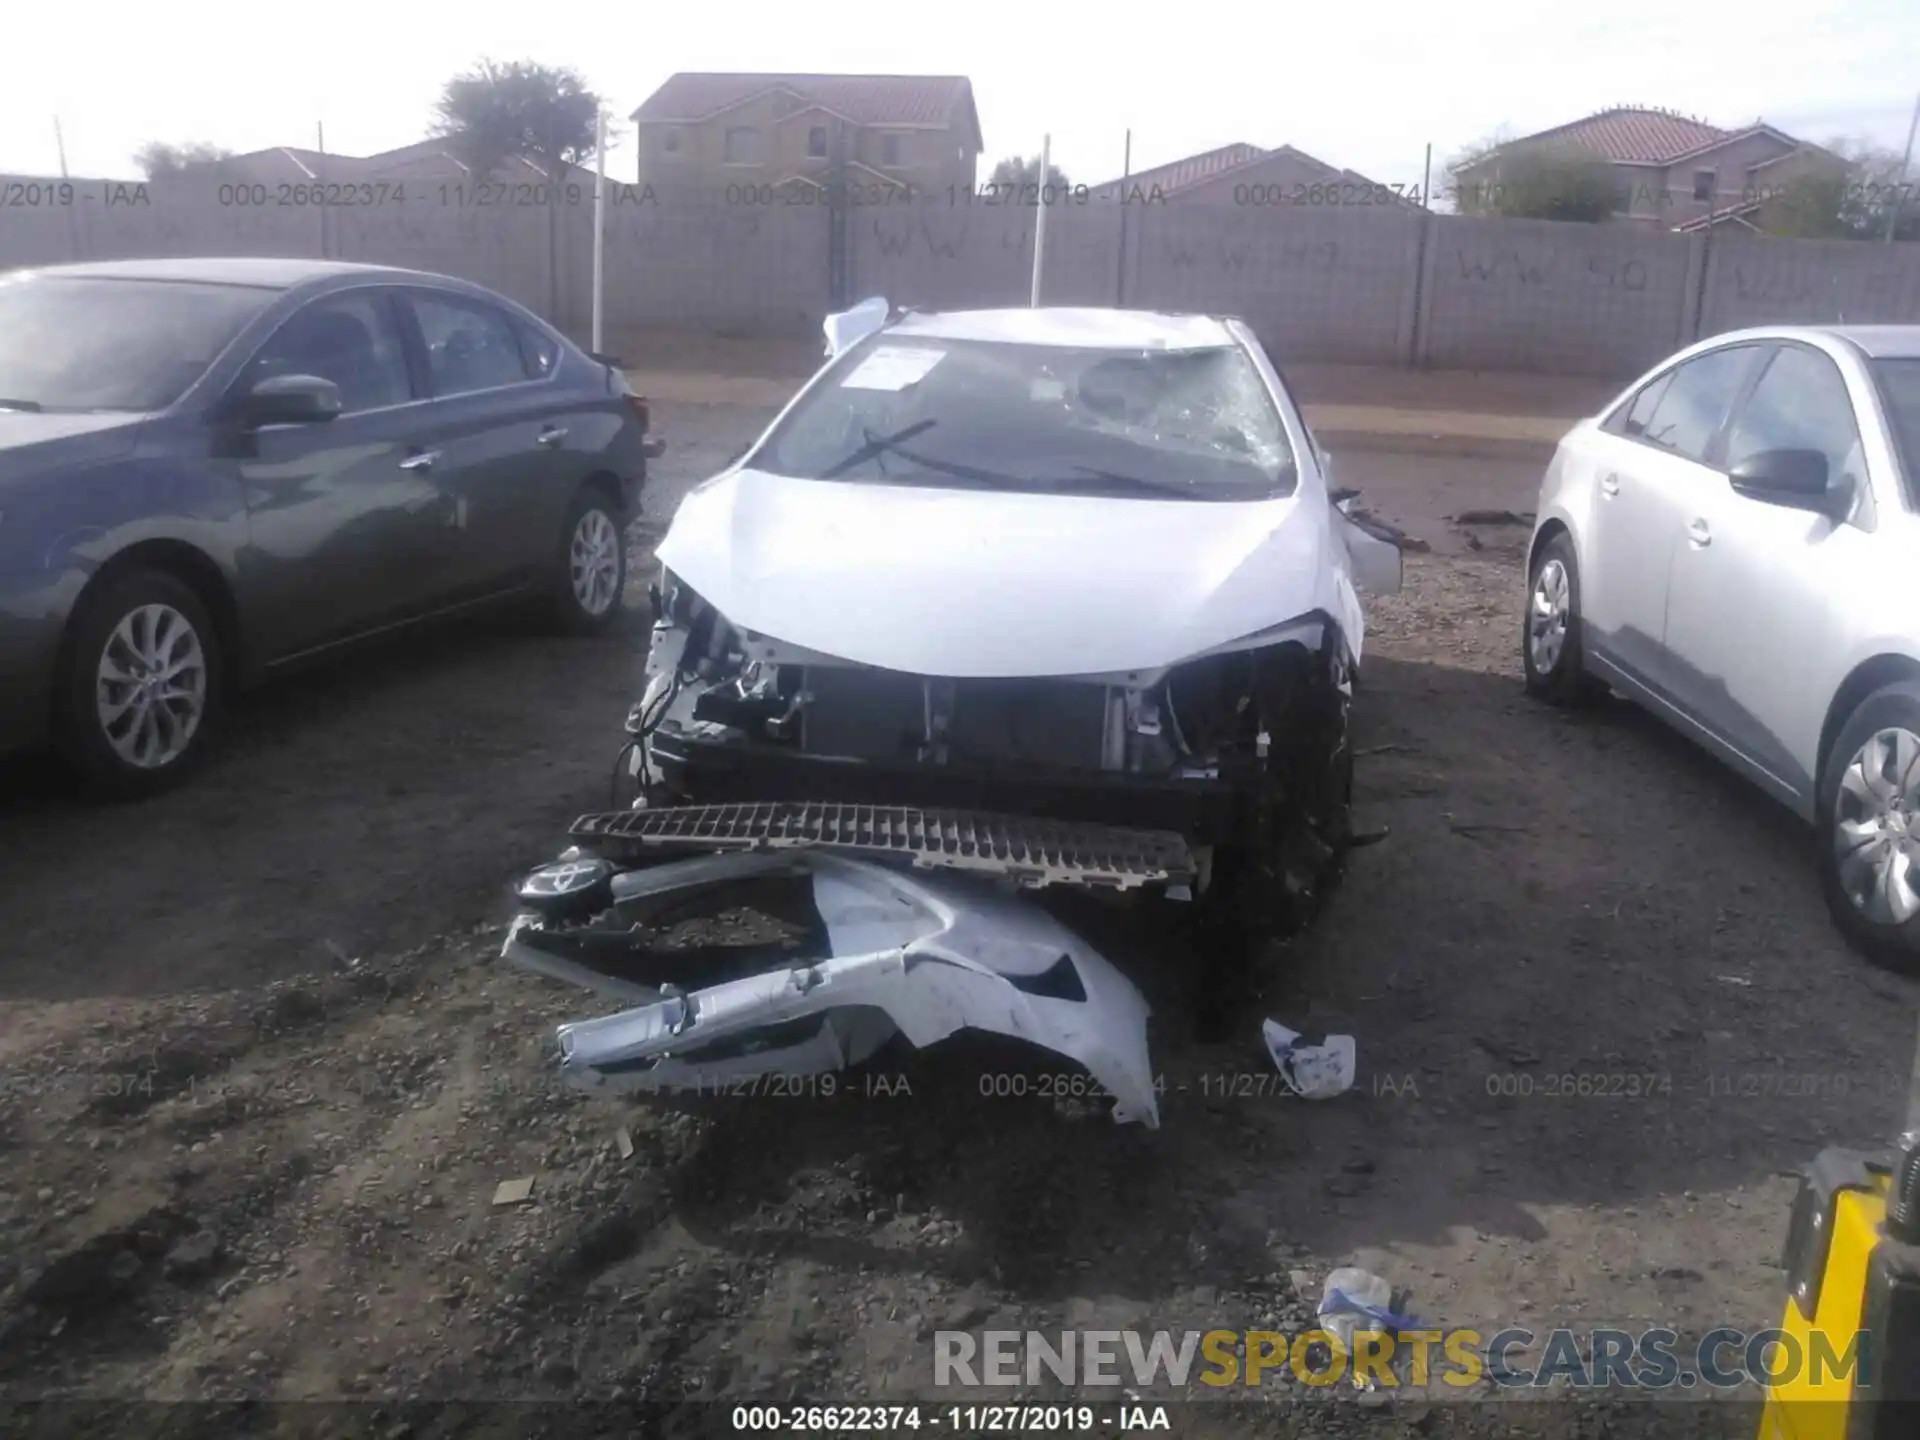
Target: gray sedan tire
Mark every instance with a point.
(1868, 827)
(141, 685)
(590, 572)
(1551, 651)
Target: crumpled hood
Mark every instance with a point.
(976, 583)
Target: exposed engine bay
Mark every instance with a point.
(1245, 748)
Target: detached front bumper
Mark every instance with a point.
(885, 954)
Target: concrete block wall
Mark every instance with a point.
(1360, 285)
(1558, 298)
(1755, 281)
(1315, 284)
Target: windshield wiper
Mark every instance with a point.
(890, 445)
(1089, 477)
(875, 446)
(33, 406)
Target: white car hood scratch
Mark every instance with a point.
(975, 584)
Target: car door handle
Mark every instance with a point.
(420, 460)
(1698, 535)
(553, 435)
(1609, 484)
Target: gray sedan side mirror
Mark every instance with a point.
(290, 400)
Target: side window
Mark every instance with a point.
(1694, 405)
(1801, 403)
(470, 345)
(1642, 408)
(537, 349)
(349, 339)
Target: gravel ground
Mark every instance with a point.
(1598, 1007)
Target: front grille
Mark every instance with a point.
(1031, 851)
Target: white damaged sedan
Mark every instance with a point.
(1054, 596)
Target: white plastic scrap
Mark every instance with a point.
(1358, 1302)
(1313, 1072)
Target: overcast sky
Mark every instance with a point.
(1366, 86)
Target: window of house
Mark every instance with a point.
(743, 145)
(893, 149)
(817, 142)
(670, 140)
(1705, 182)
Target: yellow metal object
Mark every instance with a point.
(1812, 1402)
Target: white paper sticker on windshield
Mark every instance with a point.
(892, 367)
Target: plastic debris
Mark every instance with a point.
(1358, 1302)
(1313, 1072)
(513, 1192)
(623, 1142)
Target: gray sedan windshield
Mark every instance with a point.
(75, 343)
(1162, 424)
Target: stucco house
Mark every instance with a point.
(711, 131)
(1675, 171)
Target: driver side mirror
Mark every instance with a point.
(1794, 478)
(290, 400)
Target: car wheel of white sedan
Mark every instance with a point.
(1870, 826)
(1550, 650)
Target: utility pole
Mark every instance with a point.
(1040, 221)
(1906, 167)
(599, 230)
(1126, 174)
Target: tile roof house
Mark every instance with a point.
(1246, 174)
(1675, 171)
(717, 130)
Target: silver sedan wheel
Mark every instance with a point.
(1876, 828)
(1547, 614)
(150, 687)
(593, 562)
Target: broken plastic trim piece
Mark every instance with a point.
(918, 955)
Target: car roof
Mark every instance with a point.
(264, 272)
(1085, 327)
(1879, 342)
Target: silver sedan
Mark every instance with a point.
(1732, 544)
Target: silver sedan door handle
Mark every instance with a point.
(553, 435)
(421, 461)
(1698, 535)
(1609, 484)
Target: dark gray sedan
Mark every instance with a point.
(211, 470)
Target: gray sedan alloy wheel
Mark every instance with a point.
(150, 686)
(593, 562)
